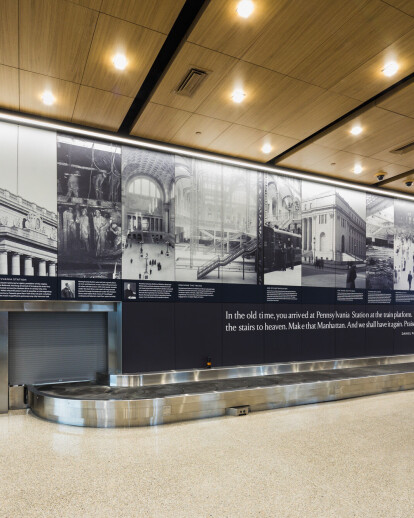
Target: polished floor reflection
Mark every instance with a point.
(350, 458)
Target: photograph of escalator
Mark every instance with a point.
(215, 222)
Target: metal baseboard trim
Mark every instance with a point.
(244, 371)
(109, 413)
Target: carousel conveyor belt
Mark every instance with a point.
(98, 405)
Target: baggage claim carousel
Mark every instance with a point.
(156, 398)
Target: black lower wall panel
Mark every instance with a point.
(379, 339)
(282, 345)
(241, 347)
(148, 337)
(198, 335)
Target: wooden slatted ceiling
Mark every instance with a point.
(74, 60)
(296, 81)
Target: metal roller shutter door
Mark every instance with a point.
(48, 347)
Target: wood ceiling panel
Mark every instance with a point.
(9, 90)
(159, 122)
(55, 37)
(317, 114)
(158, 15)
(241, 141)
(100, 109)
(341, 163)
(293, 97)
(199, 131)
(372, 121)
(407, 6)
(31, 88)
(399, 185)
(368, 80)
(222, 29)
(372, 29)
(401, 102)
(112, 36)
(192, 56)
(307, 156)
(9, 31)
(406, 160)
(261, 87)
(297, 31)
(91, 4)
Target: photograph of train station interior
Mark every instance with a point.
(206, 258)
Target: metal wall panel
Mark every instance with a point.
(46, 347)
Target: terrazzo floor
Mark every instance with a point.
(350, 458)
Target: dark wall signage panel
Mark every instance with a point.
(210, 260)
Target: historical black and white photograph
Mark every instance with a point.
(89, 208)
(282, 232)
(380, 242)
(67, 289)
(350, 238)
(130, 290)
(216, 222)
(318, 235)
(148, 215)
(403, 245)
(28, 219)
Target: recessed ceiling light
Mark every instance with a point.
(120, 62)
(238, 96)
(357, 169)
(356, 130)
(48, 98)
(390, 69)
(245, 8)
(266, 148)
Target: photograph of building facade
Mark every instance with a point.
(403, 245)
(333, 244)
(380, 242)
(282, 233)
(89, 208)
(148, 215)
(28, 220)
(216, 222)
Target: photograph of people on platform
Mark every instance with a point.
(333, 245)
(148, 215)
(380, 242)
(403, 245)
(282, 233)
(28, 219)
(67, 289)
(89, 208)
(130, 290)
(216, 222)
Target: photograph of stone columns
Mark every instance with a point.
(403, 245)
(89, 208)
(216, 222)
(148, 215)
(333, 246)
(28, 220)
(282, 233)
(380, 242)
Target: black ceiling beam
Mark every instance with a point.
(188, 17)
(373, 101)
(394, 178)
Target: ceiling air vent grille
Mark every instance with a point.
(191, 82)
(404, 149)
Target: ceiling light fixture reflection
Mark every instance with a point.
(238, 96)
(390, 69)
(245, 8)
(120, 62)
(356, 130)
(357, 169)
(48, 98)
(266, 148)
